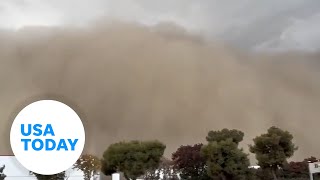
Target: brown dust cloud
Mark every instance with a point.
(128, 81)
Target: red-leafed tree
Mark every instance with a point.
(295, 170)
(298, 169)
(188, 161)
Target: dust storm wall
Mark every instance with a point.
(131, 82)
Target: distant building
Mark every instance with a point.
(254, 167)
(15, 171)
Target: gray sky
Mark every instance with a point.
(257, 24)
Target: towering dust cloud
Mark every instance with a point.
(132, 82)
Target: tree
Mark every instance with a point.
(2, 175)
(225, 160)
(224, 134)
(133, 158)
(273, 149)
(59, 176)
(90, 165)
(298, 169)
(189, 162)
(295, 170)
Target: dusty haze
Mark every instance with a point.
(131, 82)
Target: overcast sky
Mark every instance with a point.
(257, 24)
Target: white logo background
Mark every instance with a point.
(66, 125)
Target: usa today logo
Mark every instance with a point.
(47, 137)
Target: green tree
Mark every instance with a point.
(89, 164)
(189, 162)
(59, 176)
(2, 175)
(224, 134)
(133, 158)
(225, 160)
(273, 149)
